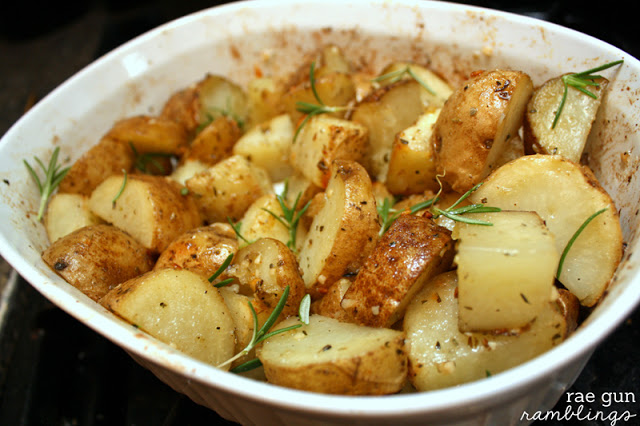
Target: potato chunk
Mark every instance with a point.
(180, 308)
(66, 213)
(333, 357)
(227, 189)
(150, 134)
(343, 232)
(410, 253)
(569, 136)
(217, 96)
(506, 271)
(214, 142)
(324, 139)
(96, 258)
(476, 124)
(564, 194)
(440, 355)
(150, 208)
(258, 223)
(438, 89)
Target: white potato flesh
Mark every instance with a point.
(67, 212)
(564, 194)
(505, 271)
(440, 355)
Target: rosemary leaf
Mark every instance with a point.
(222, 267)
(574, 238)
(53, 175)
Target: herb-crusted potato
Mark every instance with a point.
(180, 308)
(435, 90)
(66, 213)
(564, 194)
(263, 97)
(180, 107)
(333, 357)
(227, 189)
(214, 142)
(476, 123)
(108, 157)
(202, 250)
(343, 232)
(258, 223)
(216, 96)
(440, 355)
(96, 258)
(149, 134)
(570, 133)
(151, 209)
(411, 252)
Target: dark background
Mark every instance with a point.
(53, 369)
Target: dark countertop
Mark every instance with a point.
(52, 368)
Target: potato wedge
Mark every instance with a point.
(412, 251)
(268, 145)
(66, 213)
(440, 355)
(564, 194)
(385, 112)
(150, 134)
(332, 357)
(96, 258)
(267, 266)
(202, 250)
(324, 139)
(258, 223)
(214, 142)
(569, 136)
(505, 271)
(150, 208)
(108, 157)
(435, 90)
(475, 125)
(180, 308)
(240, 311)
(330, 305)
(412, 167)
(343, 232)
(217, 96)
(180, 108)
(227, 189)
(263, 98)
(187, 169)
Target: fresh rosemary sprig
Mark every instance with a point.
(395, 76)
(236, 228)
(220, 270)
(581, 81)
(124, 184)
(290, 215)
(574, 238)
(53, 175)
(310, 109)
(142, 161)
(262, 334)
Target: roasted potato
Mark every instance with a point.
(214, 142)
(96, 258)
(180, 107)
(149, 134)
(476, 124)
(570, 133)
(325, 139)
(330, 305)
(67, 212)
(242, 316)
(564, 194)
(108, 157)
(187, 169)
(440, 355)
(333, 357)
(267, 266)
(263, 98)
(217, 96)
(151, 209)
(227, 189)
(343, 232)
(412, 251)
(435, 90)
(258, 222)
(180, 308)
(386, 112)
(412, 167)
(202, 250)
(267, 145)
(506, 271)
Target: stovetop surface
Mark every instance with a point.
(56, 371)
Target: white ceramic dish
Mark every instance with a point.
(232, 40)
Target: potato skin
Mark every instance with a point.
(476, 123)
(411, 252)
(108, 157)
(97, 258)
(215, 142)
(201, 250)
(149, 134)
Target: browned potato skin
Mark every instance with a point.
(97, 258)
(215, 142)
(411, 252)
(466, 140)
(268, 266)
(180, 108)
(108, 157)
(569, 305)
(151, 134)
(331, 303)
(202, 250)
